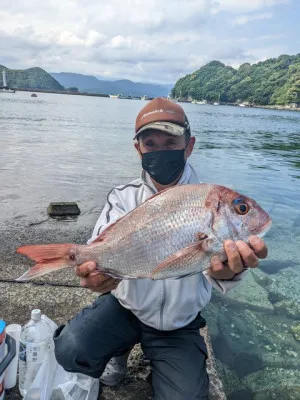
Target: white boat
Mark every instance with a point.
(242, 105)
(114, 96)
(218, 102)
(3, 90)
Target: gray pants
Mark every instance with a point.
(106, 329)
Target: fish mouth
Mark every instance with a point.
(265, 229)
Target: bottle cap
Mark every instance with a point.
(36, 314)
(2, 331)
(2, 326)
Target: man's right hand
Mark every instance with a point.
(95, 280)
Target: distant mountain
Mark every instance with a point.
(273, 81)
(68, 79)
(31, 78)
(90, 84)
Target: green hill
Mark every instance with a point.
(270, 82)
(31, 78)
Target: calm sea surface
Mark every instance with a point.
(76, 148)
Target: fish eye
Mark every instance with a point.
(240, 206)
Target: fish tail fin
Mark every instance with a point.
(52, 257)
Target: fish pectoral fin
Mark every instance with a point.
(176, 264)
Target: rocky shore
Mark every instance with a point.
(59, 297)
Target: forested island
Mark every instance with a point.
(275, 81)
(31, 78)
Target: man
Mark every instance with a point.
(165, 315)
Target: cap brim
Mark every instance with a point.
(168, 127)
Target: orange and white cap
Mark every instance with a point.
(163, 115)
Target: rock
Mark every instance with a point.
(288, 307)
(231, 382)
(285, 289)
(248, 341)
(216, 390)
(296, 331)
(249, 294)
(272, 380)
(284, 393)
(63, 209)
(261, 277)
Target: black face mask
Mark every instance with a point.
(164, 166)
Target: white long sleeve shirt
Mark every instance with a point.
(163, 304)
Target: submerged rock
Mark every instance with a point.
(247, 342)
(250, 294)
(296, 331)
(282, 393)
(273, 380)
(289, 307)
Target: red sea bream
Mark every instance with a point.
(173, 234)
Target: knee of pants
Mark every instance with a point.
(66, 347)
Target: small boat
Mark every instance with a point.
(4, 90)
(114, 96)
(218, 102)
(34, 95)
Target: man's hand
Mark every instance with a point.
(95, 280)
(239, 255)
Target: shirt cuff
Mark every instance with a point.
(224, 285)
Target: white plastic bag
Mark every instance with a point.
(41, 387)
(52, 382)
(78, 387)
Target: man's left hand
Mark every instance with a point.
(239, 255)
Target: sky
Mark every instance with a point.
(145, 41)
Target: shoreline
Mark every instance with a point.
(67, 92)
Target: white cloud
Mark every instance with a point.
(244, 6)
(244, 19)
(148, 41)
(121, 42)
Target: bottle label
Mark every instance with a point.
(34, 352)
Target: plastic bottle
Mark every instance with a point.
(35, 342)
